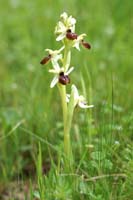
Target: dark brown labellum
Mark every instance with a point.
(64, 79)
(45, 60)
(86, 45)
(70, 35)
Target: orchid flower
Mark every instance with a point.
(78, 99)
(55, 55)
(60, 75)
(78, 41)
(66, 23)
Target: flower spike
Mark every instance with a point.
(61, 62)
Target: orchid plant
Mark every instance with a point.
(61, 63)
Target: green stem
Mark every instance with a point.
(66, 120)
(67, 57)
(62, 90)
(67, 146)
(70, 111)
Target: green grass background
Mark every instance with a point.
(104, 74)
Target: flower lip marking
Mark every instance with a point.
(70, 35)
(64, 79)
(45, 60)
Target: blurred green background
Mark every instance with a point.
(26, 30)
